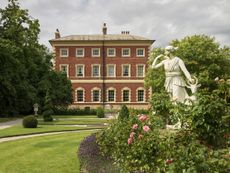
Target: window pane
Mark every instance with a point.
(79, 52)
(140, 95)
(125, 95)
(64, 52)
(95, 71)
(125, 70)
(96, 52)
(80, 95)
(111, 52)
(140, 70)
(79, 70)
(140, 52)
(111, 95)
(125, 52)
(95, 95)
(111, 71)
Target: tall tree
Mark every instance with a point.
(24, 63)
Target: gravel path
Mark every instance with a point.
(13, 138)
(10, 123)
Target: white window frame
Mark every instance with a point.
(125, 55)
(107, 67)
(137, 75)
(140, 89)
(108, 52)
(66, 65)
(123, 70)
(140, 49)
(80, 55)
(107, 94)
(122, 95)
(99, 96)
(83, 75)
(99, 51)
(99, 73)
(76, 98)
(64, 56)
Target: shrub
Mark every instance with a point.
(100, 112)
(48, 111)
(207, 118)
(74, 111)
(30, 122)
(124, 112)
(161, 105)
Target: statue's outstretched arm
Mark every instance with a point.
(184, 70)
(155, 65)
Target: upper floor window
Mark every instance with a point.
(111, 72)
(125, 52)
(126, 70)
(140, 70)
(80, 52)
(64, 52)
(95, 70)
(140, 52)
(111, 52)
(65, 69)
(95, 52)
(80, 70)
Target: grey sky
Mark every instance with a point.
(161, 20)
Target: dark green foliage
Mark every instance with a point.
(48, 111)
(204, 58)
(30, 122)
(25, 65)
(207, 116)
(124, 112)
(161, 105)
(100, 112)
(73, 111)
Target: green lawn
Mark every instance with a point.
(48, 154)
(19, 130)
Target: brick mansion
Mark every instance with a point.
(104, 69)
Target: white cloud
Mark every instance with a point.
(161, 20)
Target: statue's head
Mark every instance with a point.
(170, 49)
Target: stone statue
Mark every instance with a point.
(174, 69)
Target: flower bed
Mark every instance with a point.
(91, 159)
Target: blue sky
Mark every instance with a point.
(161, 20)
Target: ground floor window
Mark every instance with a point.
(80, 95)
(140, 95)
(96, 96)
(126, 95)
(111, 95)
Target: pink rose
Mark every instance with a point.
(146, 128)
(142, 118)
(135, 126)
(130, 141)
(132, 134)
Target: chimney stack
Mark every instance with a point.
(104, 29)
(57, 34)
(125, 32)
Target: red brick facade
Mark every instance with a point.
(131, 66)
